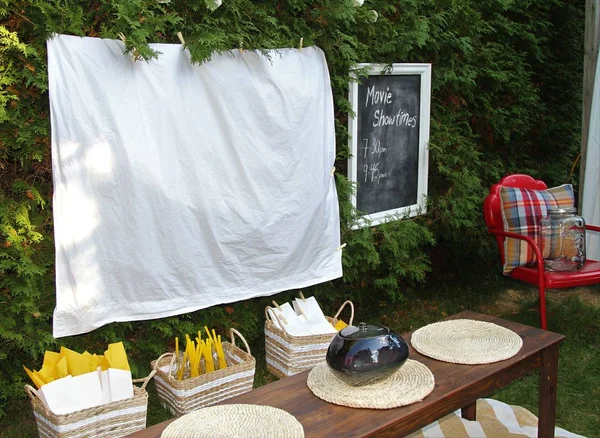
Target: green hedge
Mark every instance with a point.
(505, 98)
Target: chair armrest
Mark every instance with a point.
(539, 260)
(529, 240)
(592, 228)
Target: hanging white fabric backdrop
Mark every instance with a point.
(178, 186)
(591, 188)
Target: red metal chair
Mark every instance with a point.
(535, 274)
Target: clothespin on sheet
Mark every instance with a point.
(241, 47)
(332, 171)
(302, 296)
(180, 36)
(136, 55)
(301, 42)
(342, 246)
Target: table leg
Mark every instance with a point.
(547, 400)
(469, 412)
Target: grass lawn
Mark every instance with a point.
(574, 313)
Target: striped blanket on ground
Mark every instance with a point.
(494, 420)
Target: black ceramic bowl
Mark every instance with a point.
(366, 353)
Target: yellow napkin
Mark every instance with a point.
(48, 374)
(116, 357)
(48, 371)
(33, 375)
(68, 362)
(92, 362)
(77, 363)
(51, 358)
(100, 361)
(340, 325)
(62, 369)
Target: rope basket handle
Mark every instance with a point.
(267, 314)
(146, 379)
(342, 308)
(171, 363)
(31, 392)
(233, 331)
(270, 315)
(33, 395)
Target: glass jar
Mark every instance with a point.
(562, 235)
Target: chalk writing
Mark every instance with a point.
(373, 174)
(376, 147)
(371, 171)
(378, 96)
(401, 118)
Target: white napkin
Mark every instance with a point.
(318, 323)
(120, 383)
(321, 328)
(71, 394)
(294, 324)
(310, 308)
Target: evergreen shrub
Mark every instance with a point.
(505, 98)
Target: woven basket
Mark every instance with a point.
(287, 354)
(111, 420)
(184, 396)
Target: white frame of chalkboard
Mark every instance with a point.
(424, 70)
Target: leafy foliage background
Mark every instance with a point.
(506, 98)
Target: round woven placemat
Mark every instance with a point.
(411, 383)
(466, 341)
(235, 420)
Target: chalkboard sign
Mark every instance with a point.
(389, 136)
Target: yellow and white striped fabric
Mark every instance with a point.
(494, 420)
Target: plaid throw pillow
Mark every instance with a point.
(522, 210)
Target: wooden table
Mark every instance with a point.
(456, 387)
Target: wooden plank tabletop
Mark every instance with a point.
(456, 386)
